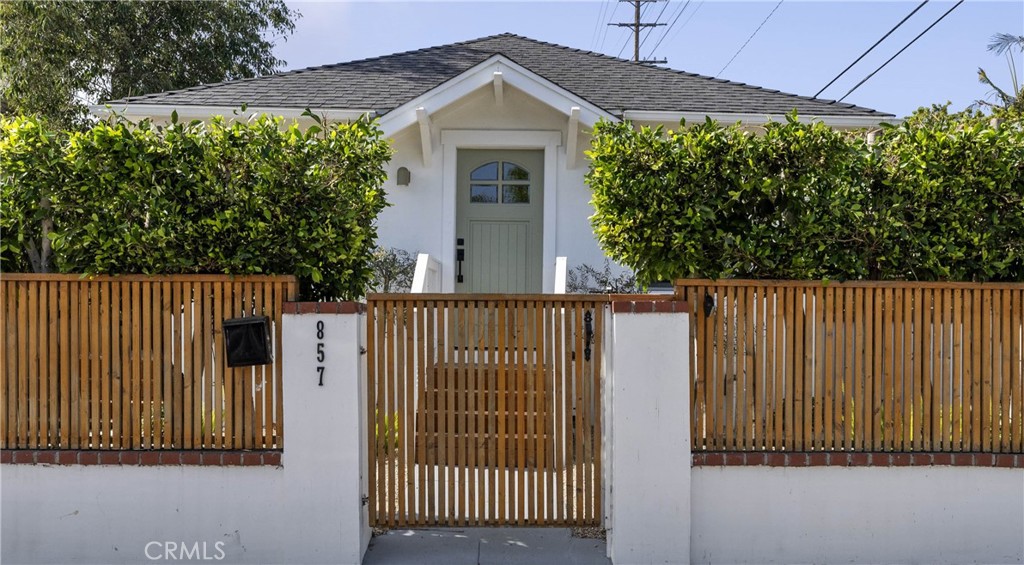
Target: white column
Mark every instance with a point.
(325, 434)
(648, 435)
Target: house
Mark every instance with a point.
(487, 181)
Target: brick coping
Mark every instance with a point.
(857, 459)
(323, 308)
(649, 306)
(203, 458)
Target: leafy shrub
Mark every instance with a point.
(948, 198)
(938, 197)
(238, 198)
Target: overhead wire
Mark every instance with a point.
(677, 14)
(864, 54)
(657, 20)
(905, 47)
(597, 25)
(643, 13)
(680, 13)
(740, 50)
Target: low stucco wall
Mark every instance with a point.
(857, 515)
(109, 514)
(307, 510)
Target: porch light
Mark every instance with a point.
(403, 176)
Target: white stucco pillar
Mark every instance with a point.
(648, 434)
(325, 432)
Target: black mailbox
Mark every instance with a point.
(247, 341)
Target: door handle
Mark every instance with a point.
(460, 256)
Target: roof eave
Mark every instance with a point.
(137, 111)
(839, 122)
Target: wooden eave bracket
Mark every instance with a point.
(572, 136)
(499, 89)
(424, 120)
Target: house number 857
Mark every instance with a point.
(320, 349)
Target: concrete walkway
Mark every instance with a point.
(484, 546)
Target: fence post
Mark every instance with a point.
(648, 433)
(325, 418)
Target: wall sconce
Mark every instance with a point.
(404, 176)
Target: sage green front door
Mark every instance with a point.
(500, 220)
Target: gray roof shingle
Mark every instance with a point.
(615, 85)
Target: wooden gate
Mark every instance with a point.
(484, 409)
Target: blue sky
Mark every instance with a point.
(799, 49)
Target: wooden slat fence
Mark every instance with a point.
(859, 366)
(136, 362)
(484, 410)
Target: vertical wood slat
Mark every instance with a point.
(916, 367)
(10, 353)
(114, 362)
(478, 437)
(1016, 371)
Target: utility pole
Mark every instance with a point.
(637, 25)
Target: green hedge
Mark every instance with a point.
(227, 197)
(939, 197)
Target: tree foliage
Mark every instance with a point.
(57, 56)
(939, 197)
(31, 167)
(228, 197)
(393, 270)
(1000, 44)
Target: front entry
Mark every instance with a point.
(499, 226)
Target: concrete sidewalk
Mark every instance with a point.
(484, 546)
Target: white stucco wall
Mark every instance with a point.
(108, 514)
(857, 515)
(413, 221)
(647, 439)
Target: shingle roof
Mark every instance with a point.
(615, 85)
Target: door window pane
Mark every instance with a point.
(512, 171)
(485, 172)
(516, 194)
(483, 193)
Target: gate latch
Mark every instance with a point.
(588, 323)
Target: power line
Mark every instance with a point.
(680, 13)
(674, 16)
(751, 37)
(598, 28)
(864, 54)
(901, 50)
(656, 20)
(637, 25)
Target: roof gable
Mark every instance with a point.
(482, 75)
(615, 86)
